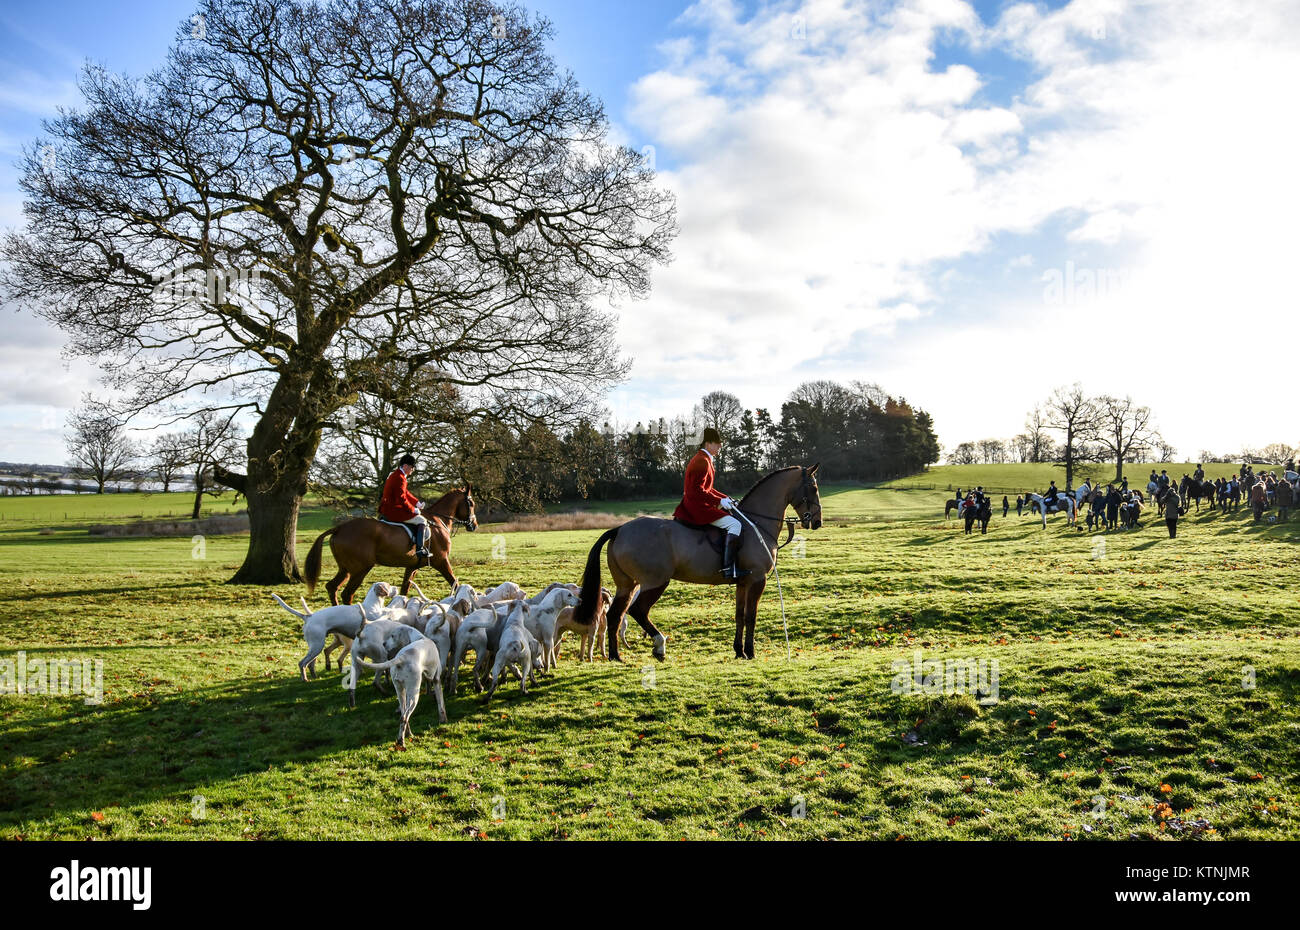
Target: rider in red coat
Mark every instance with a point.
(703, 503)
(401, 506)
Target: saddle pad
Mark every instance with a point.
(410, 531)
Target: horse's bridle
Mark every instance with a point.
(804, 518)
(453, 520)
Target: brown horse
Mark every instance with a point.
(361, 544)
(647, 553)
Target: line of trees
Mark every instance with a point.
(101, 450)
(1071, 428)
(857, 432)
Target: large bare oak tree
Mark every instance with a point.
(307, 195)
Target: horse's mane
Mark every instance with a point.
(773, 474)
(447, 495)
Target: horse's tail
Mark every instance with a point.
(589, 598)
(311, 568)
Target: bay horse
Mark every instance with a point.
(360, 544)
(647, 553)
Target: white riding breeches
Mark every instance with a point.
(417, 519)
(728, 523)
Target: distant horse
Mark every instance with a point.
(1064, 502)
(983, 512)
(361, 544)
(647, 553)
(950, 506)
(1195, 490)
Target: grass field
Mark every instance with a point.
(1146, 687)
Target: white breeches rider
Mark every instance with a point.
(728, 523)
(421, 536)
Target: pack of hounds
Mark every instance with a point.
(420, 644)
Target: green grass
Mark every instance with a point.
(60, 509)
(1121, 687)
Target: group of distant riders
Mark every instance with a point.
(1116, 506)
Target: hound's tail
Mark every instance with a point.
(585, 612)
(311, 568)
(379, 667)
(290, 609)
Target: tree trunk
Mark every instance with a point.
(272, 544)
(198, 495)
(281, 450)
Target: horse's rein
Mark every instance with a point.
(789, 527)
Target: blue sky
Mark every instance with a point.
(970, 204)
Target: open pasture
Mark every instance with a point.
(1146, 687)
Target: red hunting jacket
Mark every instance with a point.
(699, 498)
(397, 503)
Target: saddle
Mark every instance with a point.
(715, 536)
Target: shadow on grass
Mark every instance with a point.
(100, 592)
(145, 749)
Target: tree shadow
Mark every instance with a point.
(144, 748)
(97, 592)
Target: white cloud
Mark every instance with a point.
(840, 156)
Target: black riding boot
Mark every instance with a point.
(421, 534)
(729, 569)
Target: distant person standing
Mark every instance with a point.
(1285, 498)
(1258, 499)
(1172, 503)
(1020, 506)
(1006, 506)
(1123, 484)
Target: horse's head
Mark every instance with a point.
(465, 510)
(807, 502)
